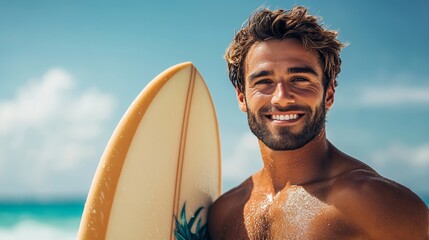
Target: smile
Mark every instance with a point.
(285, 117)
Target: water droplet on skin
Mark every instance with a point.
(299, 210)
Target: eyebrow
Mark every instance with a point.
(263, 73)
(309, 70)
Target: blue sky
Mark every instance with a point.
(69, 70)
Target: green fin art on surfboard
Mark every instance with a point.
(165, 152)
(183, 230)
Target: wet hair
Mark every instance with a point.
(281, 24)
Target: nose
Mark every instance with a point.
(282, 95)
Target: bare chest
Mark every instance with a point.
(293, 215)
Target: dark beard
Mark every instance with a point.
(314, 123)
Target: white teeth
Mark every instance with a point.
(284, 117)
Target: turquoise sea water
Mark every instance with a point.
(29, 220)
(56, 221)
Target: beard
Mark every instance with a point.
(285, 138)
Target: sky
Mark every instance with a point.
(70, 69)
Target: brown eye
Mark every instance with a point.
(263, 81)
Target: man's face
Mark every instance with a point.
(284, 96)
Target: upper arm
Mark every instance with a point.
(384, 209)
(225, 216)
(216, 217)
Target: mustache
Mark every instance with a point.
(302, 108)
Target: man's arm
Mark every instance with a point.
(225, 218)
(215, 220)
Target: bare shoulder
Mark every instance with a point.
(227, 210)
(382, 208)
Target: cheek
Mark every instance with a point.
(312, 95)
(256, 99)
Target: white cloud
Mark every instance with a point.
(242, 162)
(395, 95)
(51, 136)
(384, 90)
(417, 156)
(35, 102)
(409, 165)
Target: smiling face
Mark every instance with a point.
(284, 95)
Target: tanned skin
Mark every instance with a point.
(315, 191)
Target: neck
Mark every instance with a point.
(296, 167)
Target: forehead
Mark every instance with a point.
(280, 53)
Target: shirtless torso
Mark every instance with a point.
(354, 203)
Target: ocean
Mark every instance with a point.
(34, 220)
(45, 221)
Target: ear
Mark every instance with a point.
(241, 98)
(329, 96)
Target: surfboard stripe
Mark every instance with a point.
(181, 154)
(216, 125)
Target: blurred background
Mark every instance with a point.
(70, 69)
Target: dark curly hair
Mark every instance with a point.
(279, 24)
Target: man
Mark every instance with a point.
(284, 66)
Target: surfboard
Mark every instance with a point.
(160, 170)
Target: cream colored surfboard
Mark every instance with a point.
(164, 153)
